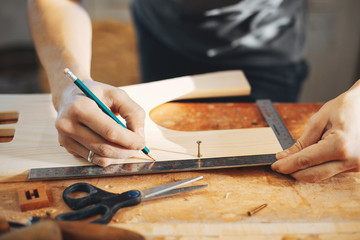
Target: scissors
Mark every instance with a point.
(106, 204)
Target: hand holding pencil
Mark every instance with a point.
(86, 130)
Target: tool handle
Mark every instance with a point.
(88, 212)
(106, 209)
(81, 230)
(94, 195)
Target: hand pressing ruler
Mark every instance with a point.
(267, 110)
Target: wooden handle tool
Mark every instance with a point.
(66, 230)
(80, 230)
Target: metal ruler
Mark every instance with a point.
(268, 111)
(275, 122)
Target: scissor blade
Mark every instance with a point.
(153, 192)
(176, 191)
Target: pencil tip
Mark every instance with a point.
(151, 157)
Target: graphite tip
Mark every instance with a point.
(151, 157)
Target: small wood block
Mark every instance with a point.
(33, 198)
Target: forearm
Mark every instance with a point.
(356, 85)
(61, 32)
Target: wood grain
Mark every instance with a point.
(35, 143)
(329, 210)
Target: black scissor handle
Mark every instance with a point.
(94, 195)
(106, 209)
(85, 213)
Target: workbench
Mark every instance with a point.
(326, 210)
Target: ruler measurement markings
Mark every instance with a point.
(274, 120)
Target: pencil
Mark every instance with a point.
(102, 106)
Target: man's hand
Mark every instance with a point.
(62, 33)
(82, 126)
(330, 144)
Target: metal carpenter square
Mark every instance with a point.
(150, 167)
(275, 122)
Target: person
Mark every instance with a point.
(265, 38)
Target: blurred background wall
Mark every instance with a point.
(333, 47)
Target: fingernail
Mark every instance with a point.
(274, 167)
(283, 154)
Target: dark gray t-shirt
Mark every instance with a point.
(246, 32)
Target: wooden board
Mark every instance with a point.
(35, 143)
(329, 210)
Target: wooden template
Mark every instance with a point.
(35, 143)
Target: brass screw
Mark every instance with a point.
(255, 210)
(199, 155)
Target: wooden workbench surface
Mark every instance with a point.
(296, 210)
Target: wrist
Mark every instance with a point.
(59, 85)
(64, 88)
(355, 86)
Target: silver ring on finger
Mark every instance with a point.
(90, 156)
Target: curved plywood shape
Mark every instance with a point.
(35, 143)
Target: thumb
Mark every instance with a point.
(311, 135)
(128, 109)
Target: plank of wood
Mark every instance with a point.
(35, 142)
